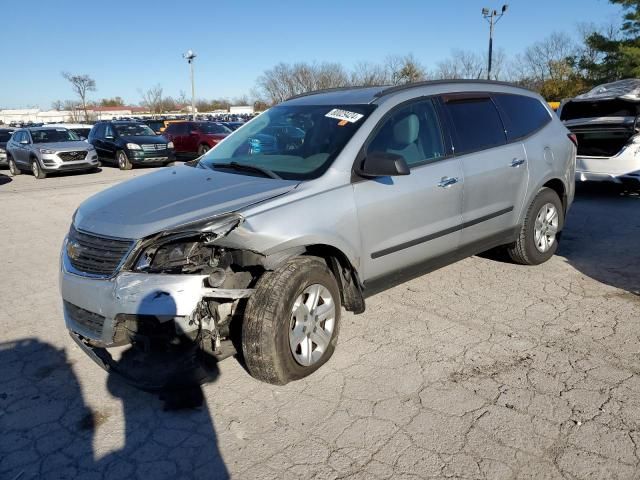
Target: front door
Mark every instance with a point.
(406, 220)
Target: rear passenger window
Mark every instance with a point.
(522, 115)
(477, 124)
(413, 132)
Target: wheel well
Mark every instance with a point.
(557, 186)
(346, 275)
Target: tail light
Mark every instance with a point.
(573, 138)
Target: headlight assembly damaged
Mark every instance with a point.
(189, 249)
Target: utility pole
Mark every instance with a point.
(190, 57)
(493, 17)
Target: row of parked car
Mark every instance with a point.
(604, 122)
(56, 148)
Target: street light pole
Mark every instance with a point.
(189, 57)
(493, 17)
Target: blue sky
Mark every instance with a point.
(131, 45)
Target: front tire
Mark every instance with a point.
(37, 169)
(123, 161)
(13, 168)
(290, 327)
(538, 239)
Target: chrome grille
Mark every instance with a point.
(154, 147)
(89, 322)
(95, 255)
(72, 156)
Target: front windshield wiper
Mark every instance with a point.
(247, 167)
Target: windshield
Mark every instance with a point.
(155, 124)
(54, 135)
(295, 142)
(134, 130)
(5, 136)
(83, 132)
(210, 128)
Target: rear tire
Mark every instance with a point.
(202, 149)
(123, 160)
(13, 168)
(290, 327)
(538, 239)
(37, 169)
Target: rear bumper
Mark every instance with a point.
(623, 168)
(625, 179)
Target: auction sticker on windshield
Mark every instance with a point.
(345, 115)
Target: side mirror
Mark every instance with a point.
(383, 164)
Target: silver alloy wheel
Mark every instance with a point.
(13, 168)
(546, 227)
(34, 168)
(313, 318)
(122, 161)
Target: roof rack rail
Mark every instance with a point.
(334, 89)
(407, 86)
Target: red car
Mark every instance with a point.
(195, 138)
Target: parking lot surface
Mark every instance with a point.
(482, 369)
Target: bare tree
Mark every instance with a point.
(182, 99)
(241, 100)
(81, 85)
(57, 105)
(369, 74)
(284, 80)
(404, 69)
(152, 99)
(75, 111)
(540, 61)
(461, 64)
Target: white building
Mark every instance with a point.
(241, 110)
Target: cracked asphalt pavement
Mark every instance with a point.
(482, 369)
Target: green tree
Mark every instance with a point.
(613, 58)
(112, 102)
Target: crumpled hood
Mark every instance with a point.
(170, 198)
(64, 146)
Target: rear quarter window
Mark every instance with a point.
(522, 115)
(477, 124)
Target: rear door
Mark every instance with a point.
(96, 138)
(405, 220)
(495, 171)
(191, 138)
(179, 133)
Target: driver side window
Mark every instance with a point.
(413, 132)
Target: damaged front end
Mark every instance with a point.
(173, 299)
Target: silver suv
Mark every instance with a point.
(49, 149)
(259, 244)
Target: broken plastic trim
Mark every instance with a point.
(189, 237)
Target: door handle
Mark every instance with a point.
(516, 162)
(447, 182)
